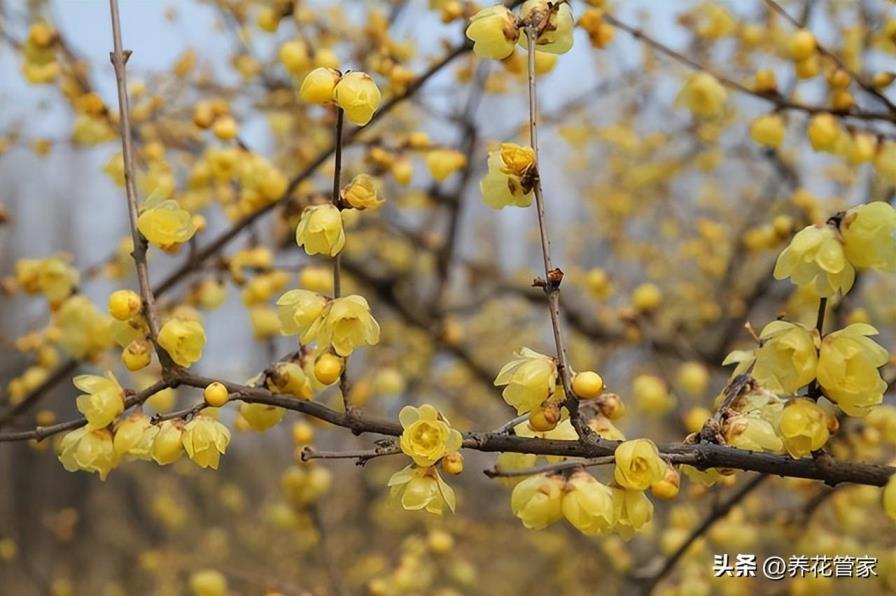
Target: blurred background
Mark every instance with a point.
(639, 191)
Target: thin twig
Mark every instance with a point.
(550, 468)
(553, 276)
(119, 58)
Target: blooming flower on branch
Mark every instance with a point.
(205, 440)
(638, 464)
(345, 324)
(538, 500)
(588, 504)
(815, 258)
(422, 488)
(88, 450)
(427, 436)
(507, 182)
(787, 356)
(847, 368)
(103, 400)
(530, 379)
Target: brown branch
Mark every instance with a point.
(42, 432)
(552, 276)
(780, 102)
(119, 58)
(867, 87)
(213, 247)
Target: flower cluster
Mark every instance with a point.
(427, 438)
(354, 92)
(495, 31)
(341, 324)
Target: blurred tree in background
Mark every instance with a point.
(632, 260)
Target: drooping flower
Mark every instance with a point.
(90, 450)
(530, 379)
(103, 399)
(205, 440)
(638, 464)
(588, 504)
(848, 365)
(632, 511)
(261, 417)
(183, 340)
(815, 258)
(134, 437)
(427, 436)
(422, 488)
(320, 230)
(538, 500)
(494, 32)
(787, 356)
(298, 309)
(167, 445)
(345, 324)
(869, 236)
(803, 427)
(555, 36)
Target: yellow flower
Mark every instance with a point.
(289, 378)
(538, 500)
(815, 258)
(358, 95)
(869, 236)
(507, 182)
(556, 35)
(768, 130)
(638, 464)
(53, 277)
(803, 426)
(84, 331)
(165, 223)
(319, 85)
(205, 440)
(427, 436)
(588, 504)
(298, 309)
(890, 497)
(823, 132)
(183, 340)
(787, 356)
(208, 582)
(752, 433)
(103, 401)
(444, 162)
(134, 437)
(361, 193)
(167, 446)
(88, 450)
(651, 394)
(261, 417)
(693, 377)
(320, 230)
(345, 324)
(847, 368)
(494, 32)
(702, 94)
(530, 379)
(421, 488)
(632, 511)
